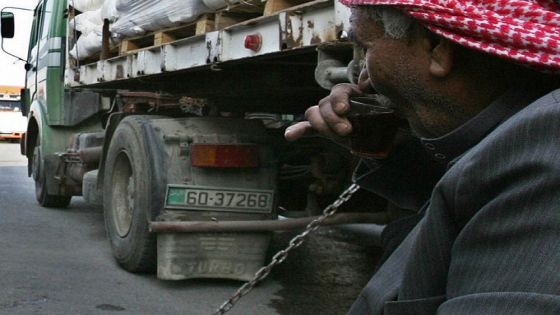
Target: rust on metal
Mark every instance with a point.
(75, 164)
(292, 35)
(105, 37)
(134, 102)
(264, 225)
(91, 156)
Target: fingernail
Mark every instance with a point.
(342, 127)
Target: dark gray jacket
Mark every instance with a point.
(489, 242)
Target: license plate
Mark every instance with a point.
(218, 199)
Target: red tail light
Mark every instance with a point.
(225, 155)
(253, 42)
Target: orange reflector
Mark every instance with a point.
(224, 155)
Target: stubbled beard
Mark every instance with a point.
(428, 128)
(444, 115)
(430, 114)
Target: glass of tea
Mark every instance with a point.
(374, 127)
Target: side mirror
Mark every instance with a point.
(7, 25)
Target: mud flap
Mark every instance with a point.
(211, 255)
(231, 255)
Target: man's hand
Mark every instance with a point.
(327, 118)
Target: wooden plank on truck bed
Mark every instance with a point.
(154, 39)
(161, 38)
(247, 6)
(274, 6)
(205, 24)
(224, 19)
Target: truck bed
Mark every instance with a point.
(208, 57)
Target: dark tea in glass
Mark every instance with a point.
(373, 127)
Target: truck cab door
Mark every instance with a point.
(31, 65)
(36, 67)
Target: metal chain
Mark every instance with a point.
(280, 256)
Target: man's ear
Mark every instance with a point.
(441, 57)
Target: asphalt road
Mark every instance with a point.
(58, 261)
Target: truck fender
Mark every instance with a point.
(112, 123)
(153, 144)
(36, 118)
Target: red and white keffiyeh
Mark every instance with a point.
(524, 31)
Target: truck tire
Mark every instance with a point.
(132, 194)
(40, 178)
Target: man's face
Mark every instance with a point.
(382, 53)
(398, 69)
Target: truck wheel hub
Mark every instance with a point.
(124, 195)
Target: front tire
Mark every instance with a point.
(132, 195)
(40, 178)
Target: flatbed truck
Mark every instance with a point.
(183, 125)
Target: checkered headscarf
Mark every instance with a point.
(524, 31)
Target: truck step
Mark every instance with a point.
(90, 192)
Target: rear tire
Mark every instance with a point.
(132, 195)
(41, 193)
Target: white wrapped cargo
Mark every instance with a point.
(88, 44)
(131, 18)
(86, 22)
(109, 10)
(136, 17)
(86, 5)
(90, 25)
